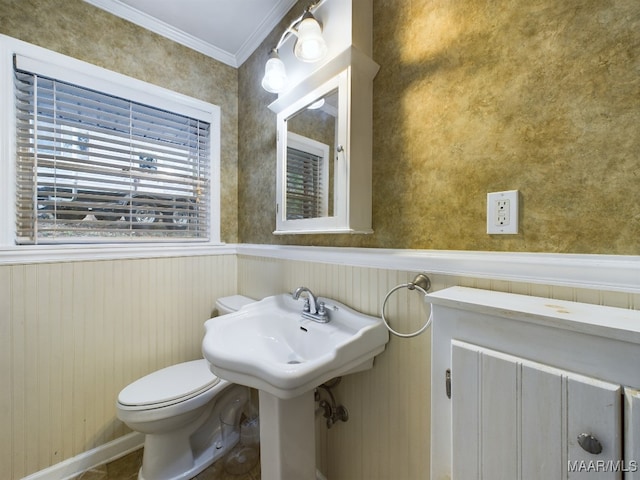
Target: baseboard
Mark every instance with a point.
(74, 466)
(106, 453)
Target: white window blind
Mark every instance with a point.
(94, 167)
(307, 178)
(304, 184)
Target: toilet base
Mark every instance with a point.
(181, 454)
(201, 462)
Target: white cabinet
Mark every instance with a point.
(530, 381)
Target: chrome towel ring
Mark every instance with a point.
(421, 283)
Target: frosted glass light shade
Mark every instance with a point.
(275, 76)
(310, 46)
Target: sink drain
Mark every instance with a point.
(293, 362)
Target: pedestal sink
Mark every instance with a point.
(270, 346)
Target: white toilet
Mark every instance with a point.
(178, 409)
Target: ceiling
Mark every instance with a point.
(227, 30)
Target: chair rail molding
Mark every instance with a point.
(619, 273)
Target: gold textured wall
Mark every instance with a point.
(475, 97)
(77, 29)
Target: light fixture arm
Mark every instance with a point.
(285, 36)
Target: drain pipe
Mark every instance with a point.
(330, 409)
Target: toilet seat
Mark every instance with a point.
(168, 386)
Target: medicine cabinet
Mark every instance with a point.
(324, 132)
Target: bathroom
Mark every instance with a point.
(471, 97)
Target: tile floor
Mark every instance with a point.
(126, 468)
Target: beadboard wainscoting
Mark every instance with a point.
(73, 333)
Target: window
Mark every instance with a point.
(109, 160)
(307, 178)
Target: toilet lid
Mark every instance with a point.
(172, 384)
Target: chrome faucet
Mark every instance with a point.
(312, 309)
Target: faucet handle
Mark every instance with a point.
(307, 306)
(321, 309)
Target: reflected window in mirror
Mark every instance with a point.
(310, 155)
(307, 178)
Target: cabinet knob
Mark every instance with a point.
(589, 443)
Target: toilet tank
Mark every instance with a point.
(232, 303)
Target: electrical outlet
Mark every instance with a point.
(502, 212)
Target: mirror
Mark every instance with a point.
(311, 152)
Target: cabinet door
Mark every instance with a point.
(632, 433)
(514, 419)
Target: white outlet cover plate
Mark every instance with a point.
(502, 222)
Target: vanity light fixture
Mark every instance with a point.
(275, 75)
(309, 47)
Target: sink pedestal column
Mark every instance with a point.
(287, 437)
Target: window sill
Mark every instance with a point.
(26, 254)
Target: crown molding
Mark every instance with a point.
(119, 9)
(233, 59)
(268, 24)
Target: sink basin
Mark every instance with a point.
(268, 345)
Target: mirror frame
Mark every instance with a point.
(338, 222)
